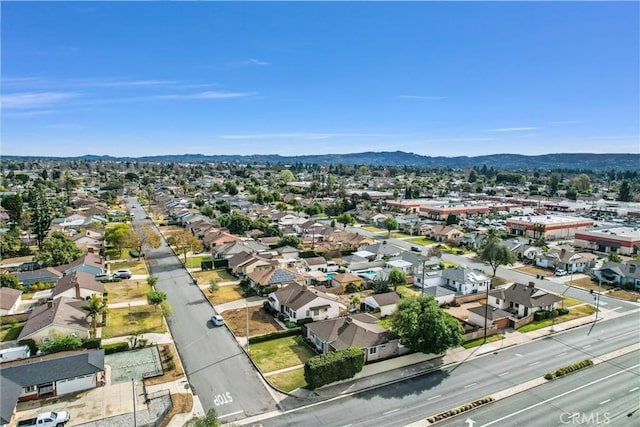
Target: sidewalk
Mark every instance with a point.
(151, 337)
(241, 303)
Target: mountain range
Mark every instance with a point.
(572, 161)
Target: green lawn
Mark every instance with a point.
(116, 254)
(290, 380)
(144, 318)
(575, 313)
(479, 341)
(127, 290)
(570, 302)
(373, 229)
(10, 332)
(280, 353)
(407, 291)
(221, 275)
(224, 294)
(422, 241)
(194, 261)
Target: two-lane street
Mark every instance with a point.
(219, 372)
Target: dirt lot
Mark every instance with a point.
(260, 322)
(461, 312)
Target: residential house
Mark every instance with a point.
(288, 252)
(445, 233)
(495, 316)
(523, 300)
(386, 302)
(218, 237)
(89, 241)
(88, 263)
(566, 259)
(345, 279)
(62, 316)
(271, 276)
(10, 300)
(50, 375)
(382, 250)
(230, 249)
(523, 249)
(316, 263)
(243, 266)
(359, 330)
(303, 302)
(42, 275)
(626, 274)
(441, 294)
(78, 285)
(465, 281)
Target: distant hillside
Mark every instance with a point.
(401, 158)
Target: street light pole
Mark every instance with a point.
(135, 416)
(424, 261)
(247, 304)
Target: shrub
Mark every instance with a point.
(274, 335)
(548, 376)
(115, 347)
(327, 368)
(291, 325)
(304, 321)
(92, 343)
(268, 289)
(281, 317)
(134, 253)
(351, 288)
(563, 311)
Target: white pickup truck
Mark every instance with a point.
(47, 419)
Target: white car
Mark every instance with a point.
(217, 320)
(561, 272)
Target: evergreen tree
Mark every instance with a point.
(41, 216)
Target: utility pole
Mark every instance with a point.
(424, 261)
(135, 416)
(247, 303)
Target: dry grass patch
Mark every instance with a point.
(170, 364)
(260, 322)
(625, 294)
(127, 290)
(220, 275)
(132, 320)
(224, 294)
(588, 283)
(533, 270)
(182, 404)
(136, 267)
(288, 381)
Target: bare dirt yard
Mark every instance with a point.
(260, 322)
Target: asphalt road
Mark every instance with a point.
(415, 399)
(604, 394)
(219, 372)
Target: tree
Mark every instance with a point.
(380, 286)
(289, 241)
(553, 184)
(120, 236)
(144, 238)
(9, 281)
(184, 241)
(13, 204)
(397, 277)
(345, 219)
(390, 224)
(452, 219)
(57, 249)
(614, 257)
(213, 286)
(58, 344)
(493, 251)
(423, 326)
(166, 309)
(41, 216)
(156, 298)
(582, 183)
(355, 301)
(94, 309)
(209, 420)
(624, 193)
(152, 280)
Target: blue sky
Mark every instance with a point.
(134, 79)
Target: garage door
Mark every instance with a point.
(75, 384)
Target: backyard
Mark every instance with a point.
(10, 332)
(224, 294)
(127, 290)
(132, 320)
(260, 322)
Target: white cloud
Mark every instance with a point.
(511, 129)
(35, 99)
(253, 61)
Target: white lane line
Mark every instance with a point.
(518, 354)
(634, 389)
(605, 401)
(391, 411)
(617, 308)
(470, 385)
(620, 335)
(228, 415)
(544, 402)
(503, 374)
(434, 397)
(562, 354)
(347, 425)
(533, 364)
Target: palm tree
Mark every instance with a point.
(94, 309)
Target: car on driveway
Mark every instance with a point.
(122, 274)
(217, 320)
(561, 272)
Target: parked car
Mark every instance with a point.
(561, 272)
(47, 419)
(416, 249)
(102, 276)
(122, 274)
(217, 320)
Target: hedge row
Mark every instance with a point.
(542, 315)
(568, 369)
(274, 335)
(327, 368)
(115, 347)
(460, 409)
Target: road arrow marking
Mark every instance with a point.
(470, 422)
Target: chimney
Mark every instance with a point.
(49, 304)
(531, 285)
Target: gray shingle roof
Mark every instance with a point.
(64, 312)
(8, 297)
(526, 296)
(78, 278)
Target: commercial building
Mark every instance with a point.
(624, 240)
(549, 227)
